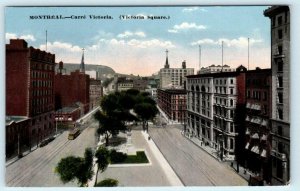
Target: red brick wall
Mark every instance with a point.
(17, 78)
(73, 88)
(241, 88)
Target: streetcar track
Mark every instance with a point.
(40, 161)
(188, 155)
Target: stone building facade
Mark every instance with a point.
(215, 103)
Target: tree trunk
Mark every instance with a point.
(106, 140)
(147, 126)
(96, 175)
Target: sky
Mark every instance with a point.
(138, 46)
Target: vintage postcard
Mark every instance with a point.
(147, 96)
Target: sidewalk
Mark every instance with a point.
(211, 151)
(171, 175)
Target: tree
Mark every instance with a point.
(145, 112)
(107, 81)
(108, 125)
(71, 168)
(102, 155)
(108, 182)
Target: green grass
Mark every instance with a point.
(140, 157)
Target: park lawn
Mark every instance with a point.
(140, 157)
(120, 158)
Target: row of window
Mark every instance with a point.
(257, 95)
(41, 83)
(175, 70)
(223, 81)
(38, 74)
(41, 93)
(42, 66)
(223, 90)
(216, 81)
(222, 112)
(42, 101)
(227, 126)
(223, 101)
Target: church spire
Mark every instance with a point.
(167, 63)
(82, 62)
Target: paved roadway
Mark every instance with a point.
(37, 168)
(193, 166)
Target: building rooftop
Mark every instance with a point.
(70, 109)
(175, 91)
(14, 119)
(274, 10)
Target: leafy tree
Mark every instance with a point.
(108, 182)
(108, 125)
(71, 168)
(145, 112)
(107, 81)
(102, 155)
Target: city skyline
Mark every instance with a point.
(130, 42)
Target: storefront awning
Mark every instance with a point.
(247, 146)
(263, 153)
(255, 136)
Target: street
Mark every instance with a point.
(37, 168)
(193, 165)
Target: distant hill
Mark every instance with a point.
(103, 70)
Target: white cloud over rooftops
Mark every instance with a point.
(28, 37)
(237, 42)
(127, 34)
(186, 26)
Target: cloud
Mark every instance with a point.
(151, 43)
(192, 9)
(186, 26)
(127, 34)
(173, 31)
(238, 42)
(57, 46)
(28, 37)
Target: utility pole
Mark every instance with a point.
(46, 40)
(248, 53)
(222, 57)
(199, 58)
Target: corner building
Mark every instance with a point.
(173, 103)
(30, 88)
(280, 118)
(215, 110)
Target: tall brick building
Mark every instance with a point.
(280, 118)
(258, 112)
(173, 103)
(30, 88)
(72, 88)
